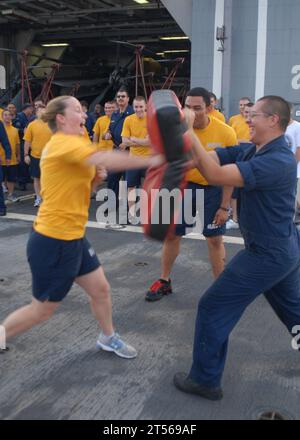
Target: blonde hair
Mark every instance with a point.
(3, 111)
(140, 98)
(56, 106)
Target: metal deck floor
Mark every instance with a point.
(55, 372)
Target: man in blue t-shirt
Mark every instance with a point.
(265, 173)
(114, 133)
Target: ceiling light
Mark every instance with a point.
(55, 45)
(141, 2)
(160, 53)
(176, 51)
(173, 38)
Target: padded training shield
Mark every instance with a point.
(166, 125)
(161, 199)
(168, 136)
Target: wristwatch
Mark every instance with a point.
(224, 209)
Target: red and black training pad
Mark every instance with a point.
(159, 209)
(168, 136)
(166, 125)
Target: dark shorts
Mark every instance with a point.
(212, 202)
(235, 193)
(56, 263)
(10, 173)
(34, 167)
(134, 177)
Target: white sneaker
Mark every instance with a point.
(231, 224)
(37, 202)
(4, 188)
(116, 345)
(114, 226)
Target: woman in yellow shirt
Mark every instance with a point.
(36, 136)
(57, 250)
(10, 171)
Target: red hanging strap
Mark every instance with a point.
(46, 92)
(139, 69)
(25, 79)
(169, 81)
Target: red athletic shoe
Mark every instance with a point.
(158, 289)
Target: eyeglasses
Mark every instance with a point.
(121, 96)
(254, 114)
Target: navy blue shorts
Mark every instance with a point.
(134, 177)
(34, 167)
(212, 202)
(56, 263)
(10, 173)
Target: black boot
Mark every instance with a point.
(188, 385)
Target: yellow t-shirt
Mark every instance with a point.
(1, 111)
(38, 134)
(66, 187)
(14, 140)
(218, 115)
(100, 128)
(215, 135)
(136, 127)
(86, 134)
(240, 126)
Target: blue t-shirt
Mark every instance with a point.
(266, 203)
(116, 124)
(21, 121)
(89, 123)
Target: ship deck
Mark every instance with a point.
(54, 371)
